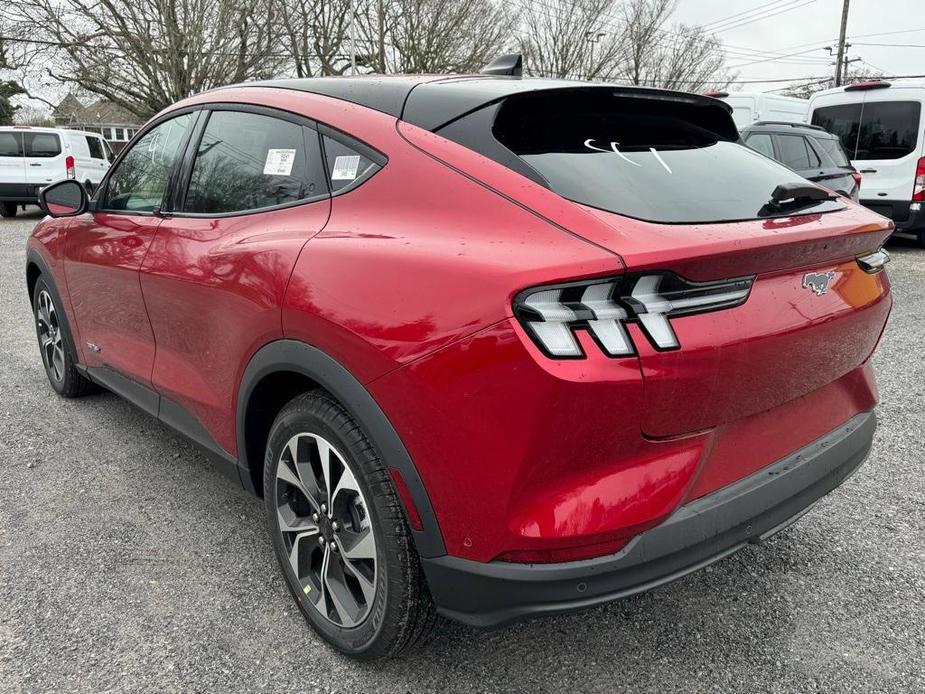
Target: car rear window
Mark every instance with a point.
(657, 159)
(43, 145)
(831, 151)
(873, 130)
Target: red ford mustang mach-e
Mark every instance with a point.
(488, 347)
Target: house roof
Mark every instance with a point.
(69, 109)
(105, 112)
(100, 112)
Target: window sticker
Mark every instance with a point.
(345, 168)
(279, 162)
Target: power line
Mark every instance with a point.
(751, 15)
(891, 45)
(766, 16)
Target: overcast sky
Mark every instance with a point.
(804, 26)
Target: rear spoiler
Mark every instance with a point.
(433, 105)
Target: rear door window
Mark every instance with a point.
(652, 159)
(844, 121)
(889, 129)
(42, 145)
(249, 161)
(761, 142)
(10, 144)
(874, 129)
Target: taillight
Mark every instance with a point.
(69, 165)
(857, 178)
(603, 307)
(918, 188)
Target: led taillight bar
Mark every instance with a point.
(604, 307)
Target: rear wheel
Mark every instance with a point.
(921, 238)
(7, 209)
(339, 532)
(55, 345)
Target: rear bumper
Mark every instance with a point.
(906, 217)
(26, 193)
(699, 533)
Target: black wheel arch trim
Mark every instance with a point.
(299, 357)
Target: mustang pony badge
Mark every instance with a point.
(818, 281)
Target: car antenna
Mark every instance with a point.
(511, 64)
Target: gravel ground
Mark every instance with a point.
(127, 563)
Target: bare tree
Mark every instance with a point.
(804, 90)
(436, 36)
(316, 33)
(576, 39)
(146, 54)
(683, 57)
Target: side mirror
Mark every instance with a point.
(66, 198)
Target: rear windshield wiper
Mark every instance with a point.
(789, 197)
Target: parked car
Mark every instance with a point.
(31, 158)
(749, 108)
(488, 346)
(880, 126)
(809, 150)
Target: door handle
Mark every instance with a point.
(35, 163)
(868, 170)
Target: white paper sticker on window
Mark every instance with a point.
(279, 162)
(345, 168)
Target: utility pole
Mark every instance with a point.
(839, 59)
(353, 37)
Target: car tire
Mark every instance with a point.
(368, 601)
(56, 345)
(8, 209)
(920, 237)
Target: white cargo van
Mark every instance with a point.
(31, 158)
(881, 128)
(752, 107)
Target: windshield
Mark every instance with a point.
(651, 159)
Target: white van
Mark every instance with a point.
(752, 107)
(881, 128)
(31, 158)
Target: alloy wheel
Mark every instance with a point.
(51, 339)
(326, 529)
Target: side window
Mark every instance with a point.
(793, 152)
(249, 161)
(10, 144)
(96, 149)
(43, 145)
(140, 180)
(348, 163)
(761, 142)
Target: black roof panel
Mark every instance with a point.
(434, 100)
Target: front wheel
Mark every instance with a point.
(55, 345)
(8, 209)
(339, 532)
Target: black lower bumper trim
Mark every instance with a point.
(696, 535)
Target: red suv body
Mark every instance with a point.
(593, 344)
